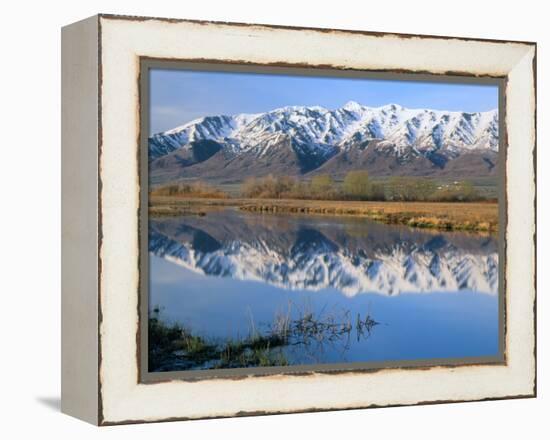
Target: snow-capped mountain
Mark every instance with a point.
(306, 138)
(308, 257)
(323, 129)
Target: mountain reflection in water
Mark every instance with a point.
(350, 255)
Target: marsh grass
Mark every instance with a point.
(175, 347)
(446, 216)
(460, 216)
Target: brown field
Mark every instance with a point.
(472, 216)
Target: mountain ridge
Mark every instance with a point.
(390, 139)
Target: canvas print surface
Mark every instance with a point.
(305, 220)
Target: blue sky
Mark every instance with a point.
(179, 96)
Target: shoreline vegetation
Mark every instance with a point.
(173, 346)
(414, 202)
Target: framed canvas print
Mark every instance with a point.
(262, 219)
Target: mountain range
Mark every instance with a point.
(304, 141)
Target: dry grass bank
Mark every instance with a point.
(449, 216)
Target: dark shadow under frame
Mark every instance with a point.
(146, 64)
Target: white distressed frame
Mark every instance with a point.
(122, 42)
